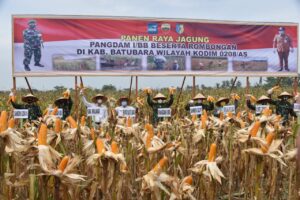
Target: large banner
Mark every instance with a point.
(65, 45)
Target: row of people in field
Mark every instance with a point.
(159, 103)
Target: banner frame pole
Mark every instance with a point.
(194, 86)
(76, 99)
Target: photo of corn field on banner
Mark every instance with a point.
(67, 45)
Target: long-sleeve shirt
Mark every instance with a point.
(155, 106)
(283, 108)
(34, 111)
(67, 107)
(102, 117)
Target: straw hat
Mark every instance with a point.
(99, 96)
(222, 99)
(60, 101)
(199, 96)
(29, 98)
(283, 94)
(160, 96)
(263, 98)
(124, 98)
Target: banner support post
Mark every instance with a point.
(131, 78)
(247, 85)
(76, 99)
(295, 85)
(194, 85)
(14, 83)
(136, 87)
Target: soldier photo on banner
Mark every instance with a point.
(32, 45)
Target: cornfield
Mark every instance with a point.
(237, 156)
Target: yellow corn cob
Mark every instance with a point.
(194, 117)
(3, 121)
(149, 137)
(11, 123)
(188, 180)
(42, 136)
(221, 116)
(45, 112)
(114, 147)
(160, 165)
(269, 140)
(203, 121)
(57, 125)
(100, 146)
(129, 122)
(72, 122)
(255, 128)
(54, 111)
(230, 114)
(238, 115)
(212, 152)
(82, 122)
(93, 133)
(63, 163)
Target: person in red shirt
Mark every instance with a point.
(282, 43)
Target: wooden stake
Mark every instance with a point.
(29, 87)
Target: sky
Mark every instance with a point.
(236, 10)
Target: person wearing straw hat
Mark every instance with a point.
(223, 101)
(124, 106)
(262, 101)
(34, 110)
(159, 101)
(282, 105)
(98, 102)
(198, 101)
(65, 103)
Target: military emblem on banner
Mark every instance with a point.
(166, 28)
(179, 28)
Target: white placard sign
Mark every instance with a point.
(21, 113)
(59, 112)
(196, 110)
(129, 112)
(260, 108)
(230, 108)
(296, 107)
(94, 111)
(164, 112)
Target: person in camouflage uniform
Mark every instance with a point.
(32, 45)
(159, 102)
(282, 105)
(34, 111)
(198, 101)
(65, 103)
